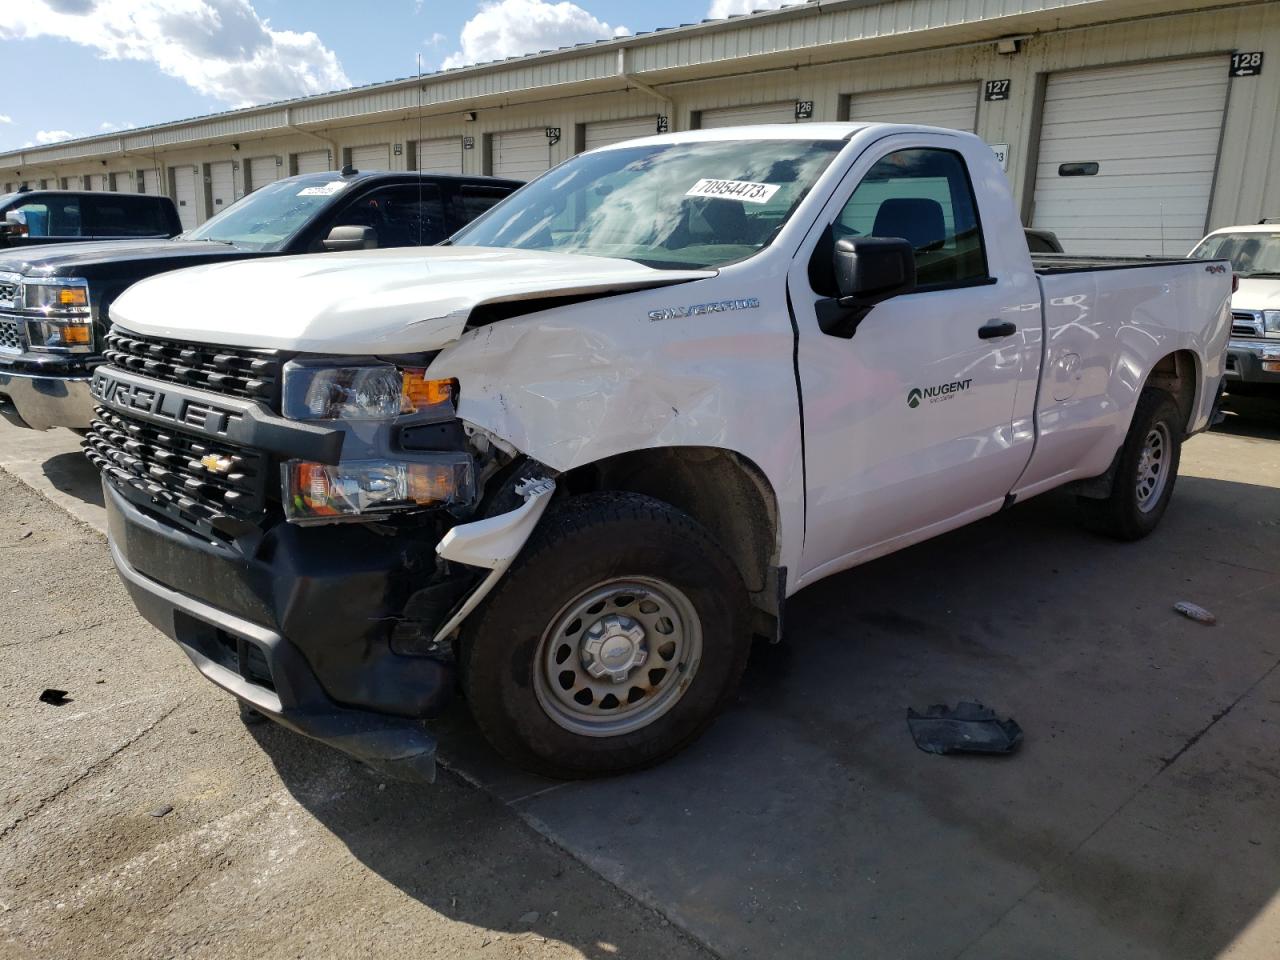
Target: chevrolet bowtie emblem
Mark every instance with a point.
(216, 464)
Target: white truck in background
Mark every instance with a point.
(579, 458)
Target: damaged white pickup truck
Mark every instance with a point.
(576, 460)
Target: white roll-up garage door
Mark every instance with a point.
(376, 157)
(151, 182)
(754, 113)
(222, 186)
(954, 106)
(439, 155)
(313, 161)
(262, 170)
(521, 154)
(1127, 156)
(184, 188)
(124, 183)
(604, 132)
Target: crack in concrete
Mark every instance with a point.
(1165, 764)
(62, 632)
(87, 772)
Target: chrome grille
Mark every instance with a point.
(1246, 323)
(164, 464)
(252, 374)
(10, 336)
(8, 292)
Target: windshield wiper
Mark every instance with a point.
(1261, 273)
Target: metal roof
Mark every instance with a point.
(800, 32)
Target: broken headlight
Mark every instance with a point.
(352, 488)
(361, 390)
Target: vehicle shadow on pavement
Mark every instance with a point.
(1137, 818)
(1256, 417)
(459, 852)
(73, 473)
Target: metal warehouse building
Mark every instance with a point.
(1126, 126)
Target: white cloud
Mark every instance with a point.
(221, 48)
(107, 126)
(5, 118)
(725, 8)
(44, 137)
(509, 28)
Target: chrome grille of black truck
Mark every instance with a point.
(252, 374)
(200, 481)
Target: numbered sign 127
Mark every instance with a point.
(996, 90)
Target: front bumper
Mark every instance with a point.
(1246, 357)
(45, 401)
(303, 627)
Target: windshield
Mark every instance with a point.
(1251, 254)
(268, 217)
(671, 206)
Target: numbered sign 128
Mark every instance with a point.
(1246, 64)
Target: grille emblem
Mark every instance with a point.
(216, 464)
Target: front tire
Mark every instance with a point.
(1146, 472)
(612, 642)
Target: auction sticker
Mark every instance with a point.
(734, 190)
(324, 190)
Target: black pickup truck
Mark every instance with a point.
(54, 301)
(32, 217)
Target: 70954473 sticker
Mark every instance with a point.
(733, 190)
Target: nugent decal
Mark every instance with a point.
(943, 391)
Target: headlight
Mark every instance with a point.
(317, 491)
(58, 315)
(360, 391)
(1271, 322)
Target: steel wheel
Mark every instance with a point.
(618, 656)
(1153, 466)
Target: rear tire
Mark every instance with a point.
(612, 642)
(1146, 472)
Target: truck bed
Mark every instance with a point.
(1050, 263)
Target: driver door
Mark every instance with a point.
(911, 425)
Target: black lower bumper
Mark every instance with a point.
(1248, 363)
(302, 629)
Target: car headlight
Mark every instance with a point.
(1271, 323)
(324, 390)
(317, 491)
(58, 315)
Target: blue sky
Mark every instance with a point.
(108, 64)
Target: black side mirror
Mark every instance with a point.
(351, 238)
(868, 271)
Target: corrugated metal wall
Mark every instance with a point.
(763, 59)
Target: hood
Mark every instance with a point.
(366, 302)
(1260, 294)
(75, 259)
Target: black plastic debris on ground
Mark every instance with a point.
(55, 698)
(969, 728)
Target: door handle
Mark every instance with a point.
(997, 328)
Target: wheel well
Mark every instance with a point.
(725, 492)
(1177, 374)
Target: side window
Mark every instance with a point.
(401, 216)
(55, 217)
(475, 198)
(923, 196)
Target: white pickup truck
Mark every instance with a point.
(578, 459)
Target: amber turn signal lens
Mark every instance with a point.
(73, 297)
(418, 392)
(77, 334)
